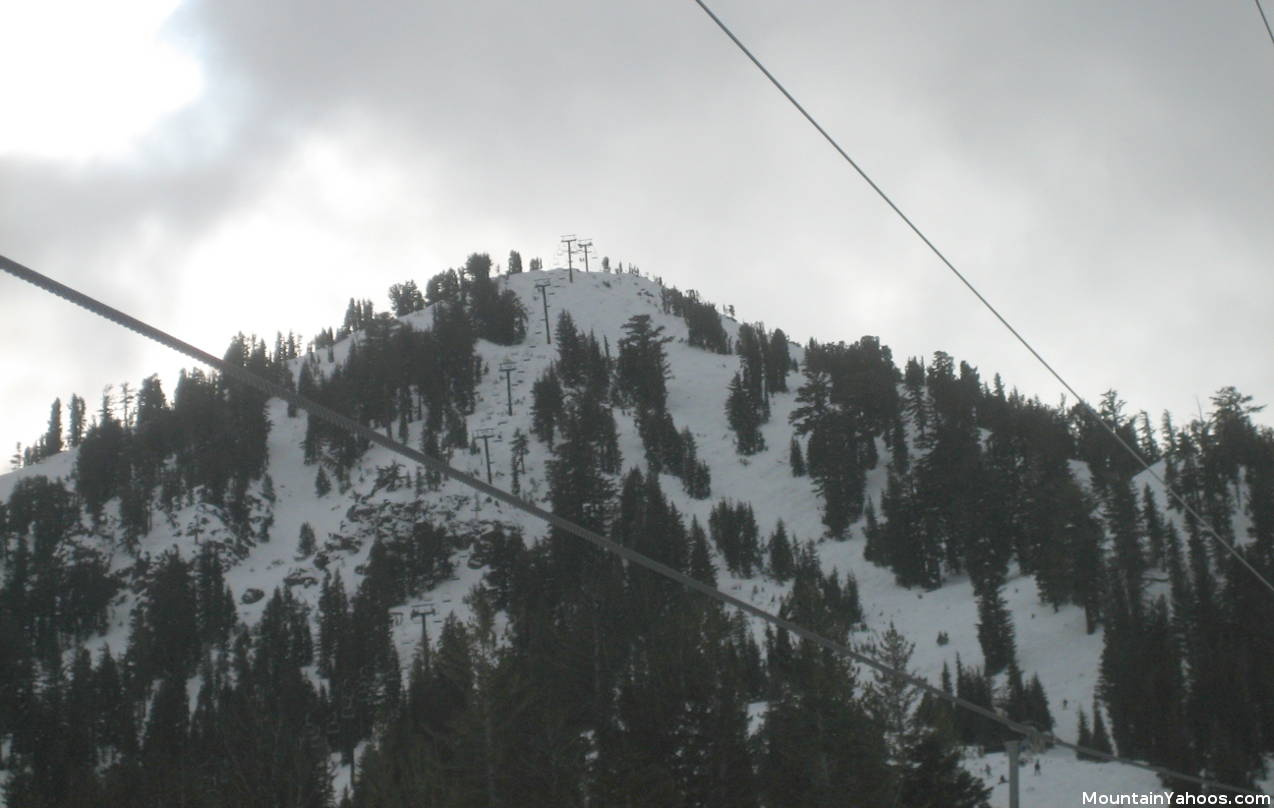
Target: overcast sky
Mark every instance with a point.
(1104, 171)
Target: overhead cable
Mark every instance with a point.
(1265, 20)
(1083, 403)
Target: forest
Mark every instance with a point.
(582, 680)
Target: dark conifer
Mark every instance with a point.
(778, 361)
(995, 629)
(781, 560)
(795, 460)
(1085, 736)
(1155, 531)
(743, 418)
(306, 544)
(700, 558)
(1101, 741)
(322, 485)
(933, 775)
(1129, 557)
(641, 371)
(547, 401)
(404, 298)
(53, 436)
(76, 420)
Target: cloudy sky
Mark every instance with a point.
(1102, 170)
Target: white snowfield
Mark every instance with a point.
(1052, 644)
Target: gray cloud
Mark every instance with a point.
(1102, 170)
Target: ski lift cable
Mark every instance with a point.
(609, 545)
(1083, 403)
(1265, 20)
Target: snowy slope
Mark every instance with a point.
(1050, 643)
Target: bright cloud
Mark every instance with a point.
(83, 79)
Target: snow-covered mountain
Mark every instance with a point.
(383, 497)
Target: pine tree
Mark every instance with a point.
(892, 700)
(76, 420)
(306, 544)
(641, 371)
(547, 401)
(834, 463)
(696, 477)
(995, 629)
(743, 419)
(795, 460)
(1155, 531)
(872, 550)
(781, 559)
(1101, 741)
(1085, 737)
(933, 775)
(1129, 557)
(126, 399)
(53, 437)
(322, 485)
(404, 298)
(778, 361)
(1036, 705)
(167, 730)
(701, 566)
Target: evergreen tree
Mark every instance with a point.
(752, 348)
(834, 463)
(1085, 737)
(1101, 741)
(578, 487)
(743, 419)
(1155, 531)
(701, 566)
(995, 628)
(547, 401)
(101, 466)
(404, 298)
(795, 461)
(696, 477)
(703, 323)
(1129, 557)
(872, 550)
(53, 437)
(933, 775)
(306, 544)
(778, 361)
(734, 532)
(1036, 705)
(781, 559)
(892, 700)
(907, 543)
(322, 485)
(641, 370)
(76, 420)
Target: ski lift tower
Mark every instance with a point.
(543, 286)
(485, 435)
(569, 241)
(507, 367)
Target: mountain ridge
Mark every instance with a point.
(600, 304)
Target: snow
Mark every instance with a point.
(1062, 780)
(1051, 643)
